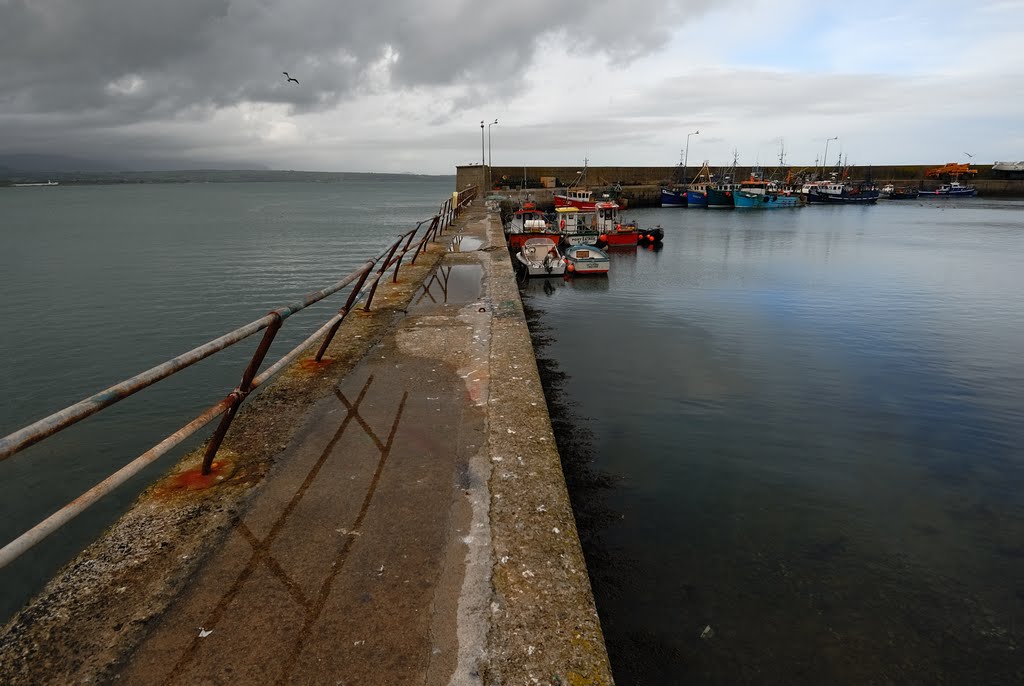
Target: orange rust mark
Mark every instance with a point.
(312, 365)
(194, 479)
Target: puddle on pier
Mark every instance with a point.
(456, 284)
(464, 244)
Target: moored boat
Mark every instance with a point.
(526, 223)
(720, 195)
(953, 171)
(586, 259)
(697, 190)
(842, 193)
(894, 192)
(651, 236)
(613, 233)
(539, 256)
(765, 200)
(576, 226)
(673, 197)
(951, 189)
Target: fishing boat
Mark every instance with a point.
(893, 192)
(697, 191)
(580, 198)
(527, 222)
(614, 233)
(952, 189)
(765, 200)
(539, 256)
(673, 197)
(586, 259)
(576, 226)
(578, 195)
(842, 193)
(720, 195)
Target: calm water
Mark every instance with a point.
(803, 429)
(102, 282)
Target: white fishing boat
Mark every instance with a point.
(586, 259)
(539, 256)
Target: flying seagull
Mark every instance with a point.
(289, 78)
(969, 154)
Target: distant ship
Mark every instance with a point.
(1008, 166)
(48, 183)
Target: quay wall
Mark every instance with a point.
(988, 182)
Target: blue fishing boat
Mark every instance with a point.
(950, 190)
(673, 197)
(767, 200)
(843, 193)
(697, 191)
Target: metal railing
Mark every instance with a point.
(366, 280)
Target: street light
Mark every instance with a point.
(483, 161)
(489, 158)
(824, 164)
(686, 155)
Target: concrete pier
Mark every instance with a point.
(396, 515)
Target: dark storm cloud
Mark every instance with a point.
(135, 60)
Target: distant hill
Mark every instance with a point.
(42, 163)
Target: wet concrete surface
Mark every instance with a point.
(410, 525)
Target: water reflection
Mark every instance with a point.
(812, 445)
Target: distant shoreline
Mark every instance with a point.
(12, 178)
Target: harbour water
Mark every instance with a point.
(793, 441)
(103, 282)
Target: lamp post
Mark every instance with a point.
(489, 158)
(686, 155)
(824, 164)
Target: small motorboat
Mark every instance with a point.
(651, 236)
(539, 256)
(586, 259)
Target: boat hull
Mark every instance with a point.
(587, 259)
(670, 198)
(720, 199)
(696, 198)
(586, 205)
(966, 192)
(863, 198)
(620, 239)
(764, 201)
(540, 257)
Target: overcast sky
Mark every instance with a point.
(402, 85)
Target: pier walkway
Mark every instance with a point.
(415, 530)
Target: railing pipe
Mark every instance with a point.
(15, 548)
(37, 431)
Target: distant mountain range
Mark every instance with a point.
(39, 163)
(32, 168)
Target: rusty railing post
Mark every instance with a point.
(405, 250)
(344, 311)
(240, 393)
(380, 272)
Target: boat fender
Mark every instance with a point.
(561, 224)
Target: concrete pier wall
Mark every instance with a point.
(988, 181)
